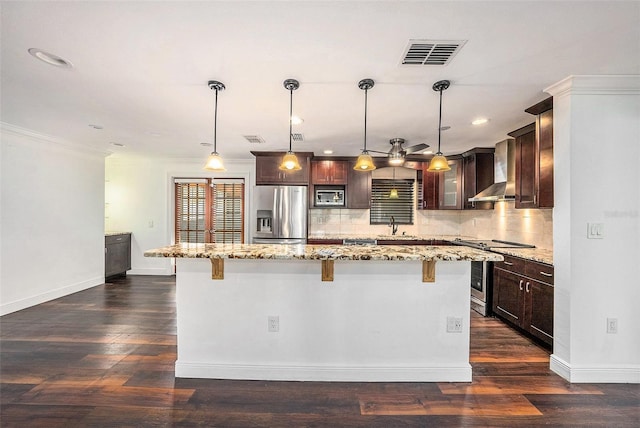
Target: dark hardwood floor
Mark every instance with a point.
(104, 358)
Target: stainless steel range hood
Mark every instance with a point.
(504, 188)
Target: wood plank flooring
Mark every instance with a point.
(105, 357)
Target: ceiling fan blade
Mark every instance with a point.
(416, 148)
(376, 151)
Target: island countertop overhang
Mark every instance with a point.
(324, 252)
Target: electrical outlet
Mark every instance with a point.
(612, 325)
(454, 325)
(273, 323)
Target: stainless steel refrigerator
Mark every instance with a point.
(281, 215)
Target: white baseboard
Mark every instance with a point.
(152, 271)
(7, 308)
(595, 374)
(323, 373)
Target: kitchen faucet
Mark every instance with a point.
(393, 225)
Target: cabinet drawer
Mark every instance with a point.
(513, 264)
(115, 239)
(540, 271)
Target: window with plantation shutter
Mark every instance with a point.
(209, 210)
(228, 212)
(383, 206)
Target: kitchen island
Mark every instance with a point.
(323, 312)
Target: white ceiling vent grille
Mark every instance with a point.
(254, 139)
(431, 52)
(297, 137)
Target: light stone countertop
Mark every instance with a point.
(536, 254)
(116, 233)
(324, 252)
(399, 237)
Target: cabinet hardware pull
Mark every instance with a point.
(508, 263)
(546, 274)
(527, 286)
(521, 281)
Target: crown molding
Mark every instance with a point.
(623, 84)
(7, 128)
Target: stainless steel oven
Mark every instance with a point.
(481, 287)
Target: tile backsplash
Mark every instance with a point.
(530, 226)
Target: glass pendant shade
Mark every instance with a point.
(438, 163)
(364, 162)
(396, 159)
(290, 162)
(214, 163)
(393, 194)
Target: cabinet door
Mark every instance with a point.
(544, 126)
(539, 310)
(430, 189)
(268, 171)
(329, 172)
(526, 170)
(358, 188)
(508, 301)
(450, 195)
(117, 255)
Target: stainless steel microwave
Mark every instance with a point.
(329, 196)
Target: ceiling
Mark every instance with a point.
(140, 70)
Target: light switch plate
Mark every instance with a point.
(595, 230)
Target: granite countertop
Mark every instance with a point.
(116, 233)
(536, 254)
(388, 237)
(324, 252)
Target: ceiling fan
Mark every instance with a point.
(398, 154)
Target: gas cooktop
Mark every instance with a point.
(487, 244)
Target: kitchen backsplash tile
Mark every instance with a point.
(531, 226)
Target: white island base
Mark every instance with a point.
(375, 322)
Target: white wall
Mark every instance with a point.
(596, 158)
(52, 221)
(139, 197)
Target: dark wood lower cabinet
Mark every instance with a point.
(117, 254)
(525, 301)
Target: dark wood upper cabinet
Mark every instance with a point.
(478, 174)
(329, 171)
(534, 158)
(525, 166)
(268, 172)
(358, 190)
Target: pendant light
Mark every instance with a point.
(394, 192)
(214, 162)
(439, 162)
(365, 161)
(290, 161)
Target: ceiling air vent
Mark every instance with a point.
(431, 52)
(254, 139)
(297, 137)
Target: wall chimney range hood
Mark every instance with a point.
(504, 188)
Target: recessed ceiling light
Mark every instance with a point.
(50, 58)
(480, 121)
(328, 152)
(295, 120)
(96, 126)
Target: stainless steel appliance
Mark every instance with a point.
(281, 215)
(482, 272)
(329, 196)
